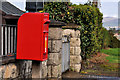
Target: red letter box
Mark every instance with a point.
(32, 36)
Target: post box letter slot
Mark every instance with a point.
(45, 42)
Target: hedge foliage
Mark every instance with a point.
(109, 40)
(88, 17)
(106, 38)
(114, 42)
(57, 10)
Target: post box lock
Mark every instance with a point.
(32, 36)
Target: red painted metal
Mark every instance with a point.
(32, 36)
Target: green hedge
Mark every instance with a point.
(57, 10)
(91, 21)
(114, 42)
(106, 38)
(109, 40)
(88, 17)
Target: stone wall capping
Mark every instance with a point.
(71, 26)
(7, 59)
(55, 23)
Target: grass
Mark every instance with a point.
(114, 54)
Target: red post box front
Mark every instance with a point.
(32, 36)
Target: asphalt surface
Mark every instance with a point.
(77, 76)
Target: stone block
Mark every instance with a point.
(75, 42)
(69, 32)
(56, 71)
(28, 67)
(49, 70)
(59, 70)
(56, 46)
(77, 67)
(72, 67)
(24, 67)
(75, 59)
(77, 50)
(49, 46)
(28, 76)
(55, 33)
(54, 58)
(10, 71)
(77, 33)
(44, 69)
(72, 50)
(2, 71)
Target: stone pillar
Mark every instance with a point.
(50, 68)
(55, 49)
(75, 50)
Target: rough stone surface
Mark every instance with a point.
(56, 71)
(44, 69)
(54, 59)
(49, 46)
(28, 67)
(75, 42)
(77, 50)
(72, 50)
(55, 49)
(55, 33)
(77, 67)
(69, 32)
(72, 67)
(56, 46)
(75, 59)
(25, 67)
(36, 69)
(77, 34)
(49, 69)
(20, 69)
(10, 71)
(2, 71)
(59, 70)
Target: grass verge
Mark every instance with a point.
(114, 54)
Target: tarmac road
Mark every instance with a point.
(69, 75)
